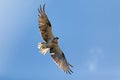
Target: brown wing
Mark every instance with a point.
(44, 25)
(59, 58)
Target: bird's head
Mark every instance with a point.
(55, 39)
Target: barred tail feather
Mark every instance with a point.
(42, 49)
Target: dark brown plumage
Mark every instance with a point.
(44, 25)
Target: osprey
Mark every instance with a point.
(50, 42)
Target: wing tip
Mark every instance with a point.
(69, 71)
(42, 8)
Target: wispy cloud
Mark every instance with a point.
(94, 56)
(92, 66)
(96, 52)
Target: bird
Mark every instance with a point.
(50, 42)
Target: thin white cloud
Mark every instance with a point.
(96, 52)
(92, 66)
(94, 56)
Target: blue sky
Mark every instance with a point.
(89, 32)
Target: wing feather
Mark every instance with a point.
(44, 24)
(59, 58)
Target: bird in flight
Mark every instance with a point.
(50, 42)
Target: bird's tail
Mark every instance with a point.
(42, 48)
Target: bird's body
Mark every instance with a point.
(50, 42)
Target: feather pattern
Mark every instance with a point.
(44, 25)
(59, 58)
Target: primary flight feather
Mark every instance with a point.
(50, 42)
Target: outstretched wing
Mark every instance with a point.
(59, 58)
(44, 24)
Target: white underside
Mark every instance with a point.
(42, 48)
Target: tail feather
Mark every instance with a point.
(42, 48)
